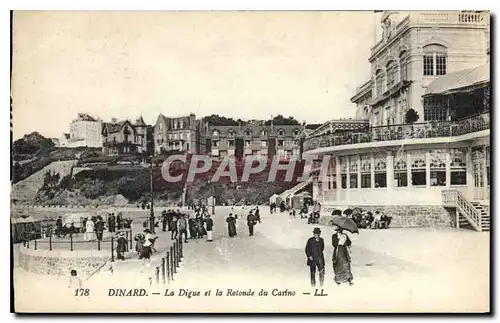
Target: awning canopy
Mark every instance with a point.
(460, 81)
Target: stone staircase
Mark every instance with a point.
(26, 190)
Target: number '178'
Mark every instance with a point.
(82, 292)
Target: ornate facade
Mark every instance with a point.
(381, 160)
(415, 49)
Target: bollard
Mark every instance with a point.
(71, 242)
(50, 242)
(176, 257)
(163, 270)
(112, 249)
(177, 254)
(169, 272)
(181, 251)
(172, 260)
(35, 241)
(157, 275)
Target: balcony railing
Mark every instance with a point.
(475, 19)
(434, 129)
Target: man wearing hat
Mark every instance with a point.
(251, 221)
(315, 258)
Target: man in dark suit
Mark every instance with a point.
(315, 258)
(251, 222)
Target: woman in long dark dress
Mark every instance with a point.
(192, 228)
(341, 258)
(231, 225)
(121, 246)
(201, 228)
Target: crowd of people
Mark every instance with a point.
(91, 227)
(185, 226)
(368, 220)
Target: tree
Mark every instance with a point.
(216, 120)
(31, 144)
(279, 120)
(411, 116)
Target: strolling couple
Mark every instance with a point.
(341, 258)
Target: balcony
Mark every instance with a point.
(435, 129)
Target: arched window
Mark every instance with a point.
(380, 82)
(435, 59)
(391, 69)
(263, 132)
(403, 66)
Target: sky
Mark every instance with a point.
(249, 65)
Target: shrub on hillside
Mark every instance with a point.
(92, 189)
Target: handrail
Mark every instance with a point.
(297, 187)
(457, 199)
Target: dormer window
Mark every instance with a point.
(296, 132)
(263, 132)
(281, 132)
(247, 132)
(230, 133)
(215, 133)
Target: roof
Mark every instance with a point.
(116, 127)
(28, 219)
(460, 81)
(256, 130)
(140, 122)
(85, 117)
(169, 121)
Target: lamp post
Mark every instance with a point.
(213, 198)
(151, 209)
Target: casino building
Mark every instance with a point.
(419, 146)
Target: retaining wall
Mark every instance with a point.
(404, 216)
(61, 262)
